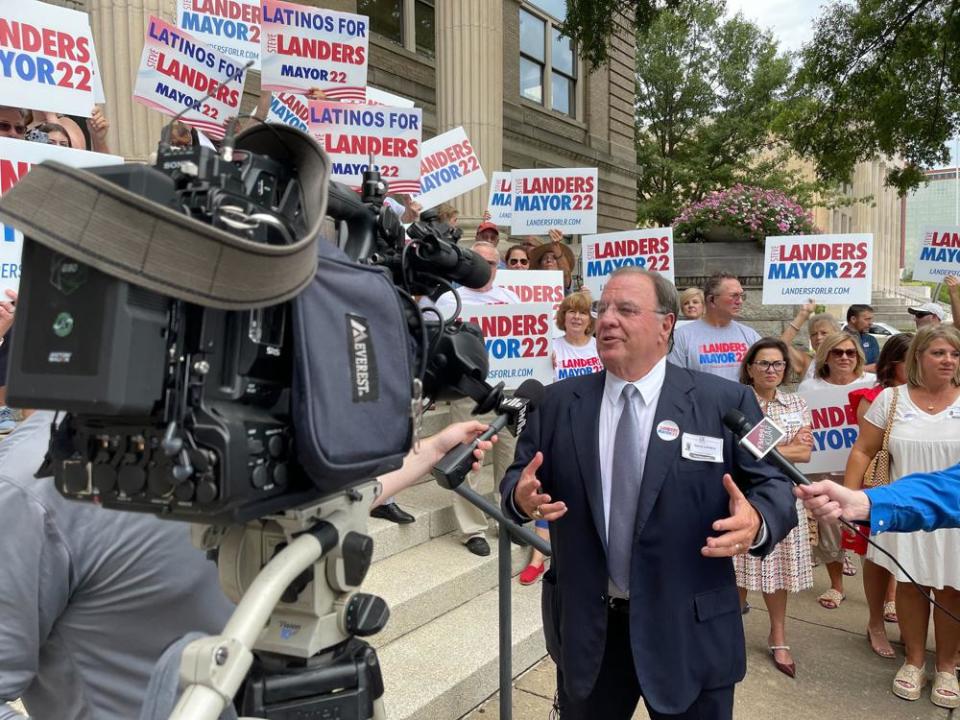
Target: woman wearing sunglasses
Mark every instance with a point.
(839, 362)
(924, 438)
(517, 258)
(787, 567)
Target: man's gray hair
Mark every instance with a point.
(23, 113)
(666, 292)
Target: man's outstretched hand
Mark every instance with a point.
(528, 498)
(739, 531)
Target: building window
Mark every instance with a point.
(548, 60)
(409, 23)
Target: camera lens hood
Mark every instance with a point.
(92, 220)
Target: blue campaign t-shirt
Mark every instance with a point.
(871, 348)
(715, 350)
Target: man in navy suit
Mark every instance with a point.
(648, 497)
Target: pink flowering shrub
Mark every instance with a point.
(750, 213)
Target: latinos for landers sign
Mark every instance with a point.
(833, 269)
(835, 428)
(47, 59)
(449, 167)
(650, 248)
(178, 72)
(230, 26)
(517, 338)
(564, 199)
(352, 133)
(16, 159)
(939, 254)
(306, 47)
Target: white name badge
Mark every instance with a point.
(702, 448)
(954, 413)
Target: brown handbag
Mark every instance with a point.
(878, 471)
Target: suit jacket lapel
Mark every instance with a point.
(674, 404)
(585, 422)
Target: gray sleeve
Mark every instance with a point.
(32, 553)
(678, 355)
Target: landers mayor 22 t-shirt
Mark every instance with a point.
(714, 350)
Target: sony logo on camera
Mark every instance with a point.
(363, 366)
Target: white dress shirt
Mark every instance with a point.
(611, 408)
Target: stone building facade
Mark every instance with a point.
(461, 61)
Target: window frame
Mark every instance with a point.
(576, 102)
(408, 28)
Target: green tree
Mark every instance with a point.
(880, 76)
(708, 93)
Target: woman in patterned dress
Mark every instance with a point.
(787, 568)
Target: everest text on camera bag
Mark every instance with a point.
(352, 374)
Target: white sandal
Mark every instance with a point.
(909, 681)
(945, 692)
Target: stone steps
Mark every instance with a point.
(442, 670)
(439, 652)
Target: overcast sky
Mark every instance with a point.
(790, 20)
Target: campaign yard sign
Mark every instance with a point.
(231, 27)
(376, 96)
(939, 253)
(835, 428)
(16, 159)
(47, 59)
(449, 167)
(517, 339)
(290, 109)
(533, 286)
(565, 199)
(832, 269)
(178, 72)
(305, 47)
(352, 133)
(650, 248)
(500, 202)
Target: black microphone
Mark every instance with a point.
(738, 424)
(450, 261)
(511, 414)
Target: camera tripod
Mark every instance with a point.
(294, 577)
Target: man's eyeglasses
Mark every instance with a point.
(839, 353)
(7, 127)
(767, 365)
(518, 261)
(738, 296)
(598, 308)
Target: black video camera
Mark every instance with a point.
(185, 408)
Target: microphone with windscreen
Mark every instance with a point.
(740, 426)
(511, 414)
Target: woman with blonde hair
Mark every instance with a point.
(839, 362)
(923, 422)
(691, 303)
(818, 327)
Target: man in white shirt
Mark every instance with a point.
(648, 495)
(471, 522)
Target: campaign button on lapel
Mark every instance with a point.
(668, 430)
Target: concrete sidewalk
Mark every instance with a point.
(838, 676)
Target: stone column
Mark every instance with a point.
(470, 87)
(118, 31)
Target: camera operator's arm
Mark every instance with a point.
(418, 462)
(35, 590)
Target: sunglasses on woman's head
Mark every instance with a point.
(838, 353)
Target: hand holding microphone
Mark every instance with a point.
(832, 502)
